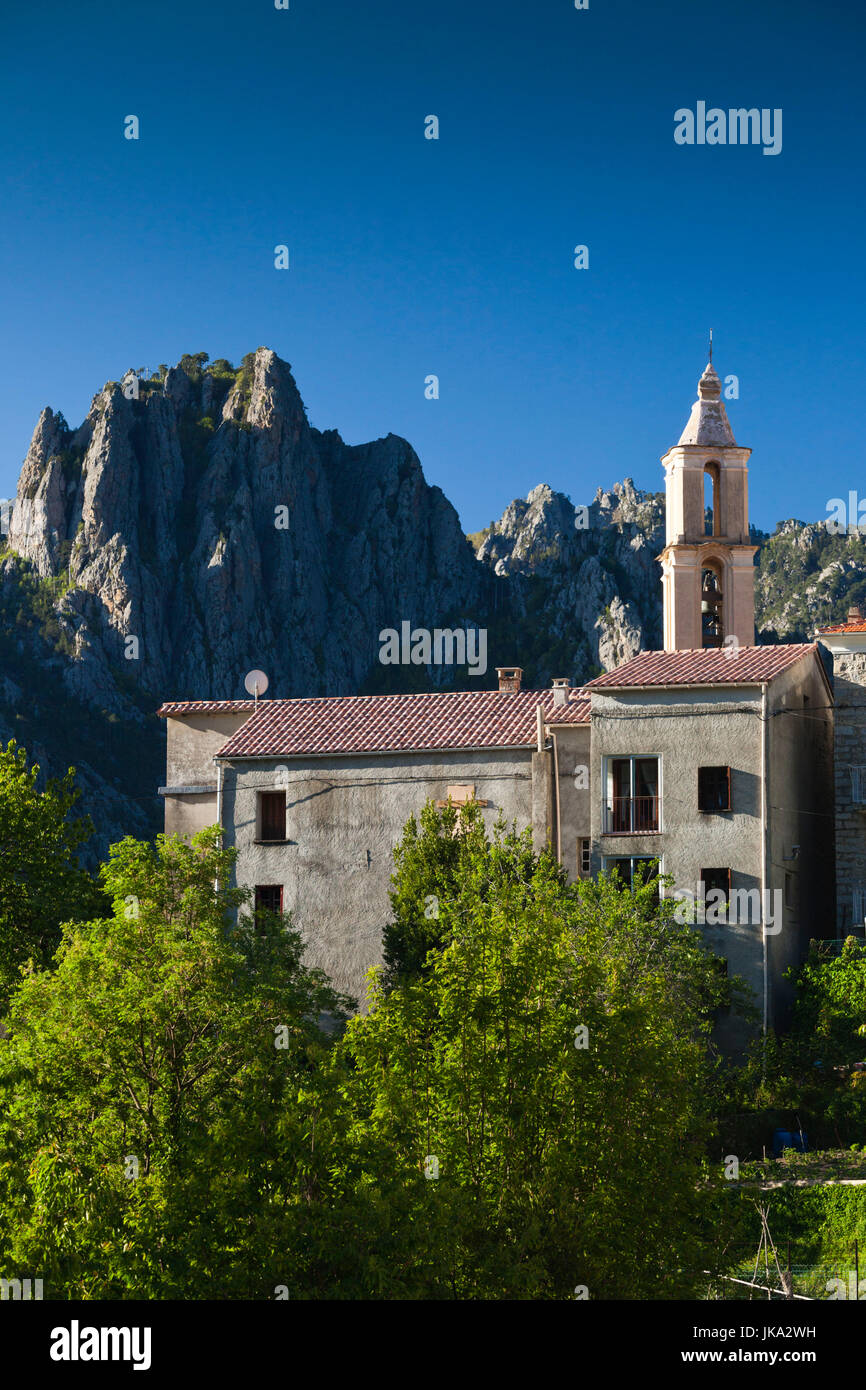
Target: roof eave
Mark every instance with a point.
(684, 685)
(374, 752)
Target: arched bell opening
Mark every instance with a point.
(712, 514)
(712, 604)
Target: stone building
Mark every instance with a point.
(715, 762)
(846, 643)
(710, 757)
(314, 793)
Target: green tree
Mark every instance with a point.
(193, 364)
(830, 1011)
(445, 848)
(551, 1063)
(154, 1125)
(41, 881)
(808, 1077)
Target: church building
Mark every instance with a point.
(712, 757)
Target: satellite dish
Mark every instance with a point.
(256, 683)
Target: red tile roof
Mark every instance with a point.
(389, 723)
(704, 666)
(208, 707)
(845, 627)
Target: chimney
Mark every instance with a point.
(509, 677)
(561, 686)
(854, 614)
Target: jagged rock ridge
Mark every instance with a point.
(163, 515)
(179, 538)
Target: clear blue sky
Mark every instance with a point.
(411, 257)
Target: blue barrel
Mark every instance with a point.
(789, 1139)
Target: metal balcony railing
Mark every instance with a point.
(632, 815)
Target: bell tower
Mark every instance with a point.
(708, 577)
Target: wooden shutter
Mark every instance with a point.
(714, 788)
(273, 816)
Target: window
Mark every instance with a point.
(712, 605)
(628, 866)
(792, 890)
(716, 880)
(633, 803)
(714, 789)
(269, 897)
(584, 858)
(272, 816)
(858, 786)
(720, 969)
(712, 518)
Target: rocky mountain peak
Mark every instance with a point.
(195, 525)
(199, 515)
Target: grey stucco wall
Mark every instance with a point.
(849, 675)
(575, 799)
(191, 743)
(689, 729)
(344, 816)
(186, 815)
(801, 814)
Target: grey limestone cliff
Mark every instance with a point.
(196, 526)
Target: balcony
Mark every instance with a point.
(632, 815)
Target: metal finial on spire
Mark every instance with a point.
(711, 345)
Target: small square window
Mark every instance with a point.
(714, 789)
(269, 897)
(630, 867)
(715, 880)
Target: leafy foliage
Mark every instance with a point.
(193, 363)
(558, 1165)
(806, 576)
(524, 1111)
(302, 1166)
(448, 847)
(810, 1077)
(41, 882)
(143, 1100)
